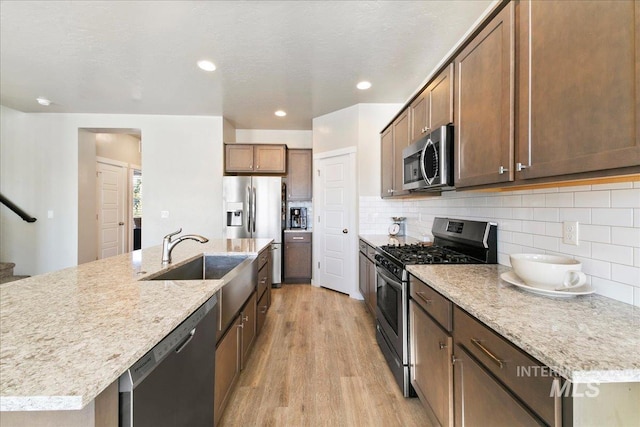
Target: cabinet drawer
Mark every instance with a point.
(367, 250)
(295, 237)
(432, 302)
(263, 280)
(263, 257)
(530, 380)
(263, 306)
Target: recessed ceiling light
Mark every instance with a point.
(43, 101)
(280, 113)
(206, 65)
(363, 85)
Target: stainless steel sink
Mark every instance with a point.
(204, 267)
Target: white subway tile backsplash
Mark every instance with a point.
(559, 200)
(533, 200)
(613, 217)
(612, 253)
(625, 274)
(615, 290)
(625, 236)
(582, 215)
(593, 199)
(594, 267)
(594, 233)
(546, 214)
(625, 198)
(546, 243)
(531, 221)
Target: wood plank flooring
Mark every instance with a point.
(317, 363)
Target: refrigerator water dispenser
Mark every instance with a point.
(234, 214)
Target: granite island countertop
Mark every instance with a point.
(67, 335)
(587, 338)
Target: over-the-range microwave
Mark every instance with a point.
(428, 162)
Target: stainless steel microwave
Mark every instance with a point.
(428, 162)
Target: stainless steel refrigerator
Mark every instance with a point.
(253, 208)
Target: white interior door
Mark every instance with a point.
(334, 229)
(111, 209)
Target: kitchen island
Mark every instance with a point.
(66, 336)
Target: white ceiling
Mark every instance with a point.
(139, 57)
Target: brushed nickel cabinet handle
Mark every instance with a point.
(298, 238)
(486, 351)
(442, 345)
(520, 166)
(423, 298)
(502, 170)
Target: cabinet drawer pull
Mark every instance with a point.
(520, 167)
(264, 309)
(245, 319)
(486, 351)
(442, 345)
(423, 298)
(298, 238)
(263, 280)
(502, 170)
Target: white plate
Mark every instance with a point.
(512, 278)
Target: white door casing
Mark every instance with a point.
(111, 200)
(334, 228)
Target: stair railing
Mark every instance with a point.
(22, 214)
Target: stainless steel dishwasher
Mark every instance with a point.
(173, 384)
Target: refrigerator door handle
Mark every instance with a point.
(248, 210)
(254, 209)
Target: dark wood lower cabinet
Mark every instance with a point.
(227, 367)
(480, 400)
(297, 257)
(430, 367)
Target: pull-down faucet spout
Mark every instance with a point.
(168, 244)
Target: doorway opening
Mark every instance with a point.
(109, 192)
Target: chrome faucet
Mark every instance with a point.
(168, 244)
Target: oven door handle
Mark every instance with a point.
(390, 280)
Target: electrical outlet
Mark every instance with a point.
(570, 232)
(164, 214)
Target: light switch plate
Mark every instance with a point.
(164, 214)
(570, 232)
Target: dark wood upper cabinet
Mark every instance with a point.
(255, 158)
(579, 87)
(401, 140)
(484, 99)
(434, 106)
(299, 174)
(386, 163)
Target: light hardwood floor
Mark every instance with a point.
(317, 363)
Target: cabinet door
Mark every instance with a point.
(579, 87)
(248, 318)
(400, 142)
(371, 278)
(270, 158)
(238, 158)
(482, 401)
(441, 100)
(363, 272)
(485, 105)
(299, 175)
(297, 261)
(430, 368)
(261, 312)
(419, 113)
(227, 368)
(386, 164)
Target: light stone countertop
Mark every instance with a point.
(587, 338)
(67, 335)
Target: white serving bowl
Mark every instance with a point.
(552, 272)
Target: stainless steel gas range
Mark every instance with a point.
(456, 241)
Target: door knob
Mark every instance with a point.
(345, 231)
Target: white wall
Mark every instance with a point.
(292, 138)
(372, 119)
(182, 168)
(87, 198)
(336, 130)
(119, 146)
(530, 221)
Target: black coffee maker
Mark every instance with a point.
(298, 217)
